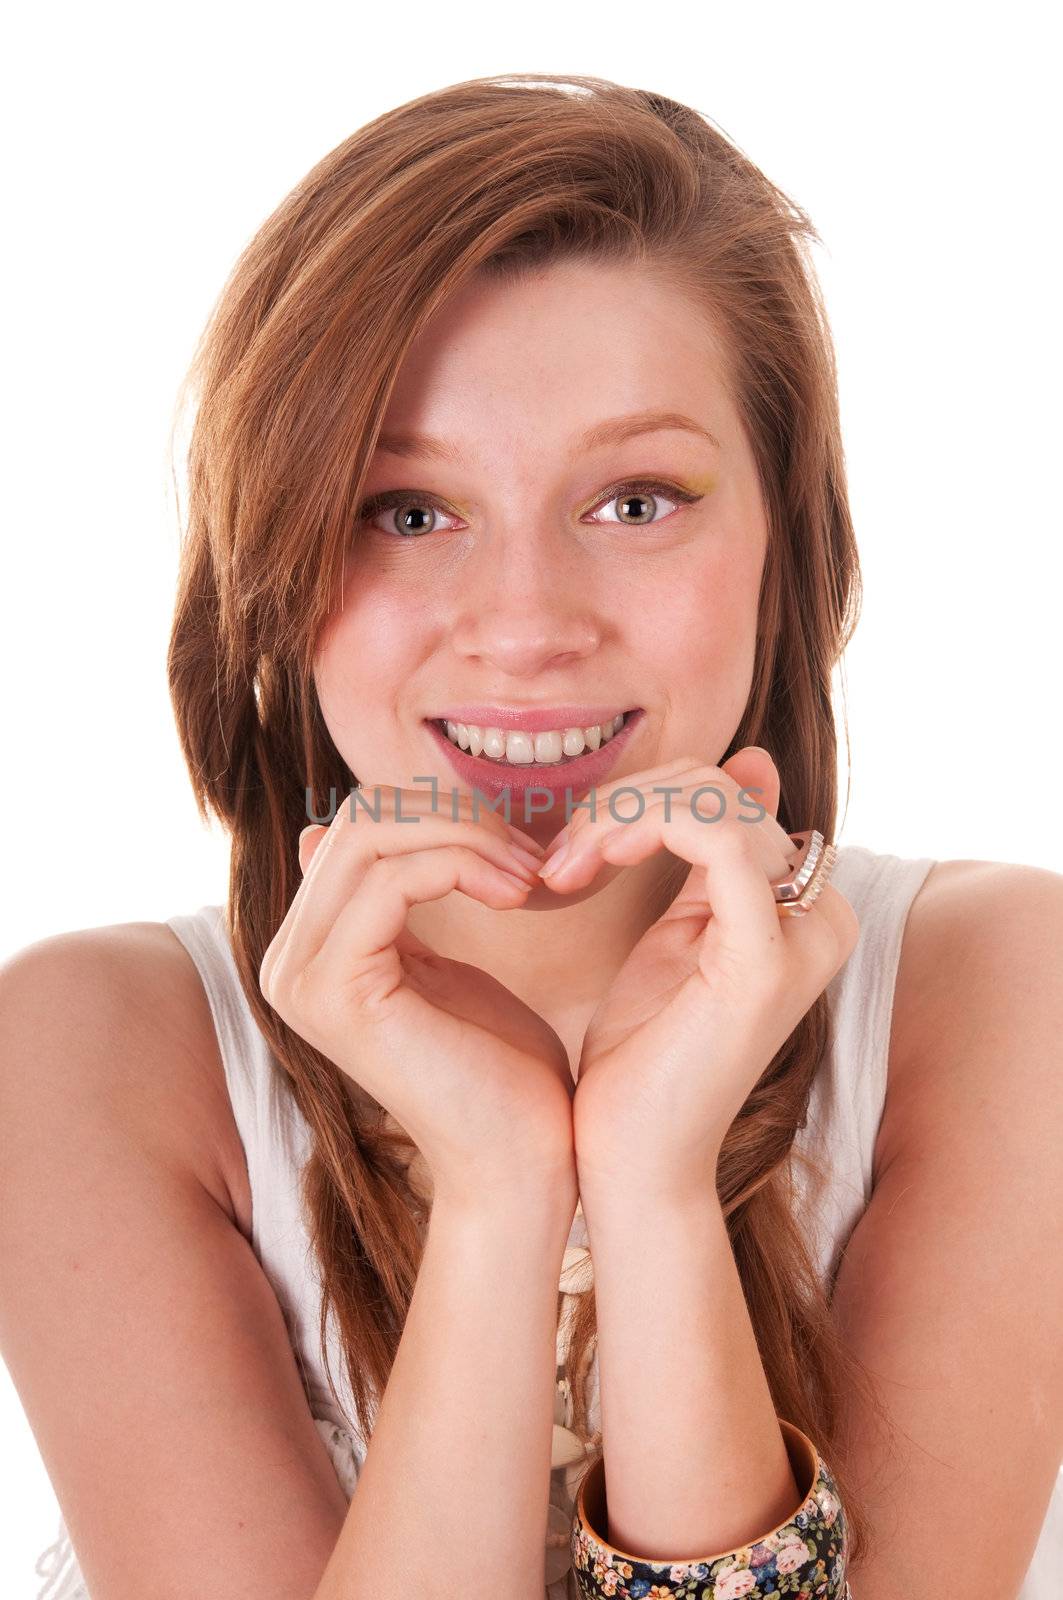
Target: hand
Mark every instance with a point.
(479, 1081)
(711, 991)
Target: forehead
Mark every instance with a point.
(563, 350)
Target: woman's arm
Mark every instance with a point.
(452, 1496)
(699, 1501)
(694, 1454)
(950, 1289)
(951, 1286)
(152, 1357)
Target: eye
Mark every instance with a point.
(644, 489)
(405, 501)
(414, 505)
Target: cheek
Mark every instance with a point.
(360, 665)
(701, 635)
(707, 621)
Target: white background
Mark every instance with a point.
(142, 148)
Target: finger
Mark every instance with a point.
(824, 936)
(410, 802)
(601, 797)
(311, 837)
(309, 840)
(352, 858)
(730, 877)
(652, 830)
(774, 849)
(749, 777)
(357, 980)
(342, 853)
(309, 843)
(756, 774)
(355, 955)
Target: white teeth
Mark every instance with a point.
(545, 747)
(521, 749)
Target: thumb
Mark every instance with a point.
(309, 840)
(754, 771)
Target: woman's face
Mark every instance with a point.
(531, 566)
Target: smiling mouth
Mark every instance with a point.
(504, 761)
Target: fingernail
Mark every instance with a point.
(557, 860)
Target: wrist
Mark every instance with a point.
(544, 1205)
(636, 1191)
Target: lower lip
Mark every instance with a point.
(574, 776)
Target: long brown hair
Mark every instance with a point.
(292, 376)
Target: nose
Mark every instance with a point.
(528, 607)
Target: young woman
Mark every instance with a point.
(422, 1222)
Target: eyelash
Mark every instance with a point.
(391, 498)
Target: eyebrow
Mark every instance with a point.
(615, 430)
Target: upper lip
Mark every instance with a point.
(529, 719)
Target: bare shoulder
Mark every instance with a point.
(135, 982)
(980, 959)
(949, 1291)
(143, 1335)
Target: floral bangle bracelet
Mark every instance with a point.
(803, 1556)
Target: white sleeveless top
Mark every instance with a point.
(844, 1112)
